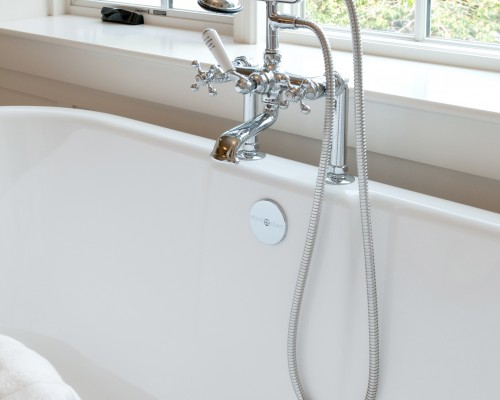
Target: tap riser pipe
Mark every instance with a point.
(250, 150)
(338, 156)
(272, 33)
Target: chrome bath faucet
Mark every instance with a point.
(275, 89)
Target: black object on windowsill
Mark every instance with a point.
(121, 16)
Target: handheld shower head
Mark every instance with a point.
(221, 6)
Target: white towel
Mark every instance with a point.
(25, 375)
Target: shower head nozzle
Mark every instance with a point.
(221, 6)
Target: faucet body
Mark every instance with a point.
(276, 91)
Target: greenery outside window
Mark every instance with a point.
(457, 32)
(468, 20)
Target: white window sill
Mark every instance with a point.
(153, 63)
(410, 80)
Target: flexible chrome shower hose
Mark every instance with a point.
(315, 212)
(318, 201)
(364, 201)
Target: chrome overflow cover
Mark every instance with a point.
(268, 222)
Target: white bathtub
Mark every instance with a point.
(127, 260)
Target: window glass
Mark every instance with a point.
(397, 16)
(472, 20)
(186, 5)
(149, 3)
(177, 4)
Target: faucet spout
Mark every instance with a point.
(227, 146)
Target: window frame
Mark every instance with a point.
(242, 26)
(245, 28)
(416, 47)
(148, 11)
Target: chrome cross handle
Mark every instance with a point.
(206, 78)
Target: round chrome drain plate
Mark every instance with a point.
(268, 222)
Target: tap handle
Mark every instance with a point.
(214, 44)
(297, 93)
(198, 78)
(304, 108)
(206, 78)
(211, 90)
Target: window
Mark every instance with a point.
(180, 14)
(456, 32)
(165, 4)
(468, 20)
(463, 32)
(184, 9)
